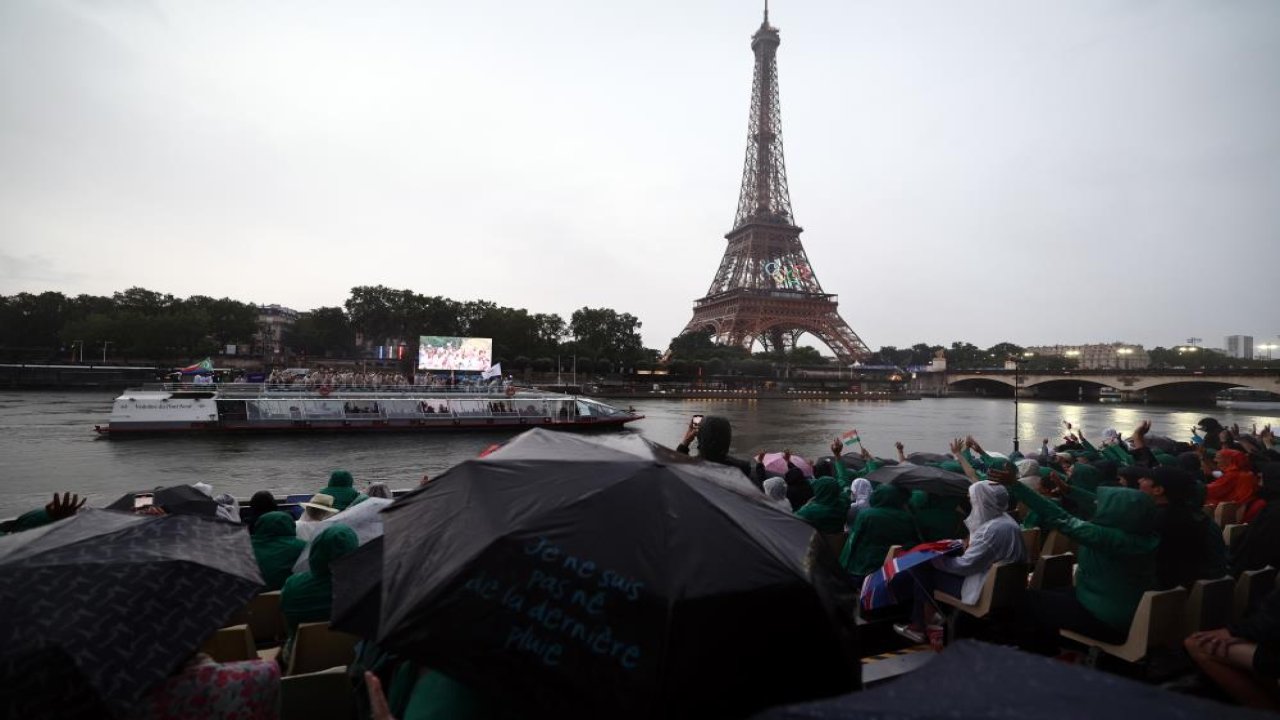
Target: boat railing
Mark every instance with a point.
(264, 390)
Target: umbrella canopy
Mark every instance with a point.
(776, 464)
(175, 499)
(101, 606)
(612, 577)
(932, 480)
(927, 458)
(357, 590)
(973, 680)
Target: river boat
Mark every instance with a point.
(261, 408)
(1248, 399)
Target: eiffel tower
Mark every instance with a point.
(765, 290)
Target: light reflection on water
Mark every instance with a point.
(47, 441)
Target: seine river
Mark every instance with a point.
(47, 441)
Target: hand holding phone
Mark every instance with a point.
(696, 421)
(143, 500)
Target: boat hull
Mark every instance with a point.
(356, 426)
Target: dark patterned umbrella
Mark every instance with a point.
(932, 480)
(98, 608)
(175, 499)
(611, 577)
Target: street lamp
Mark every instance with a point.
(1125, 353)
(1017, 384)
(74, 344)
(105, 343)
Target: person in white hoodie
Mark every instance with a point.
(994, 537)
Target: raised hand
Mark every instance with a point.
(957, 447)
(837, 447)
(65, 506)
(1143, 428)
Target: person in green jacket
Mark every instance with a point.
(1117, 565)
(276, 547)
(885, 523)
(308, 596)
(59, 508)
(824, 510)
(938, 517)
(341, 488)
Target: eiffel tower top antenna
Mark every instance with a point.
(766, 12)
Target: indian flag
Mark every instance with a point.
(204, 366)
(850, 438)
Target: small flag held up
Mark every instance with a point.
(850, 438)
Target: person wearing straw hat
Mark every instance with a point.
(320, 507)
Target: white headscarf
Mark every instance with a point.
(203, 487)
(364, 519)
(861, 492)
(989, 501)
(775, 488)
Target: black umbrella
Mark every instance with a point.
(927, 458)
(612, 577)
(357, 590)
(973, 680)
(98, 608)
(176, 500)
(932, 480)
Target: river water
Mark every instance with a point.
(47, 441)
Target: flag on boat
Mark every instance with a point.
(850, 438)
(200, 368)
(877, 591)
(493, 372)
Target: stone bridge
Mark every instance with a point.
(1133, 385)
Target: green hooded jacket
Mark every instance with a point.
(878, 527)
(937, 517)
(276, 547)
(1087, 478)
(341, 488)
(1117, 549)
(308, 596)
(26, 521)
(825, 511)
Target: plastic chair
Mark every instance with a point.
(836, 542)
(1003, 584)
(1056, 543)
(1233, 534)
(1156, 623)
(230, 644)
(264, 619)
(1031, 539)
(1209, 604)
(1251, 587)
(1226, 513)
(322, 695)
(1053, 571)
(316, 647)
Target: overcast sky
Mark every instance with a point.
(1039, 172)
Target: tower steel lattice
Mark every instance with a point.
(765, 289)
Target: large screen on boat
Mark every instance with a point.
(454, 353)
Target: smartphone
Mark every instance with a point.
(143, 500)
(696, 421)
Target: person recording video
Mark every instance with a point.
(714, 435)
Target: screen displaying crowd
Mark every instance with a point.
(454, 353)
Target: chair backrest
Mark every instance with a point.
(1158, 620)
(231, 644)
(1226, 514)
(1056, 543)
(1008, 582)
(836, 542)
(1251, 587)
(1209, 604)
(316, 647)
(325, 695)
(265, 619)
(1053, 571)
(1233, 534)
(893, 552)
(1031, 539)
